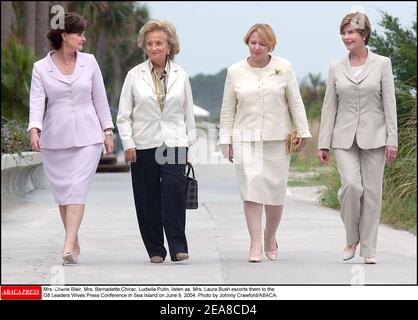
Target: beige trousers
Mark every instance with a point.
(360, 195)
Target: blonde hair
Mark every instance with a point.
(266, 33)
(359, 22)
(158, 25)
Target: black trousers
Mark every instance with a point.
(159, 187)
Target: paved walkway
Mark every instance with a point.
(310, 241)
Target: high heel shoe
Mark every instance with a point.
(370, 260)
(350, 251)
(68, 258)
(272, 255)
(255, 257)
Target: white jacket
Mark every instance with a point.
(257, 101)
(140, 122)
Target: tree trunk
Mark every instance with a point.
(6, 20)
(42, 27)
(101, 48)
(30, 24)
(116, 78)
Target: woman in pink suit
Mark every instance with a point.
(76, 123)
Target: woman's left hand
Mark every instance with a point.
(109, 144)
(390, 153)
(300, 144)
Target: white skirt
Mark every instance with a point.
(262, 169)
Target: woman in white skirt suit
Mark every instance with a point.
(260, 93)
(76, 123)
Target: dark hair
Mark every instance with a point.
(73, 23)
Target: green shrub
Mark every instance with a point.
(16, 71)
(14, 138)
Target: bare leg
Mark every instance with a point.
(63, 213)
(253, 212)
(273, 217)
(73, 217)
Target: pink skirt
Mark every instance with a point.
(70, 172)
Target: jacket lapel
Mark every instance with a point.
(346, 69)
(80, 67)
(172, 76)
(368, 68)
(53, 70)
(145, 73)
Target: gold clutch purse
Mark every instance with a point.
(290, 146)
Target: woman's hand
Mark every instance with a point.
(130, 155)
(109, 144)
(300, 143)
(323, 155)
(390, 153)
(35, 141)
(230, 153)
(227, 152)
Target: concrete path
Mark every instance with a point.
(310, 238)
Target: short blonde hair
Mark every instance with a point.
(266, 33)
(158, 25)
(359, 22)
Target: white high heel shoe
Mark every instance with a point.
(370, 260)
(272, 254)
(255, 257)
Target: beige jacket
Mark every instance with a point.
(257, 101)
(362, 107)
(142, 124)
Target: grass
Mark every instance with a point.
(399, 202)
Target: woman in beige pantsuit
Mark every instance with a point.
(254, 123)
(359, 122)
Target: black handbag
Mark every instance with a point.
(191, 188)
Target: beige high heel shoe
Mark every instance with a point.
(68, 258)
(255, 257)
(350, 251)
(370, 260)
(272, 255)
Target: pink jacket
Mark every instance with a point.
(77, 109)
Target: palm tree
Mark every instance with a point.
(6, 20)
(29, 24)
(42, 27)
(112, 25)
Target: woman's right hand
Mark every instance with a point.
(130, 155)
(230, 154)
(35, 141)
(227, 152)
(323, 155)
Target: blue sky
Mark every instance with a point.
(211, 32)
